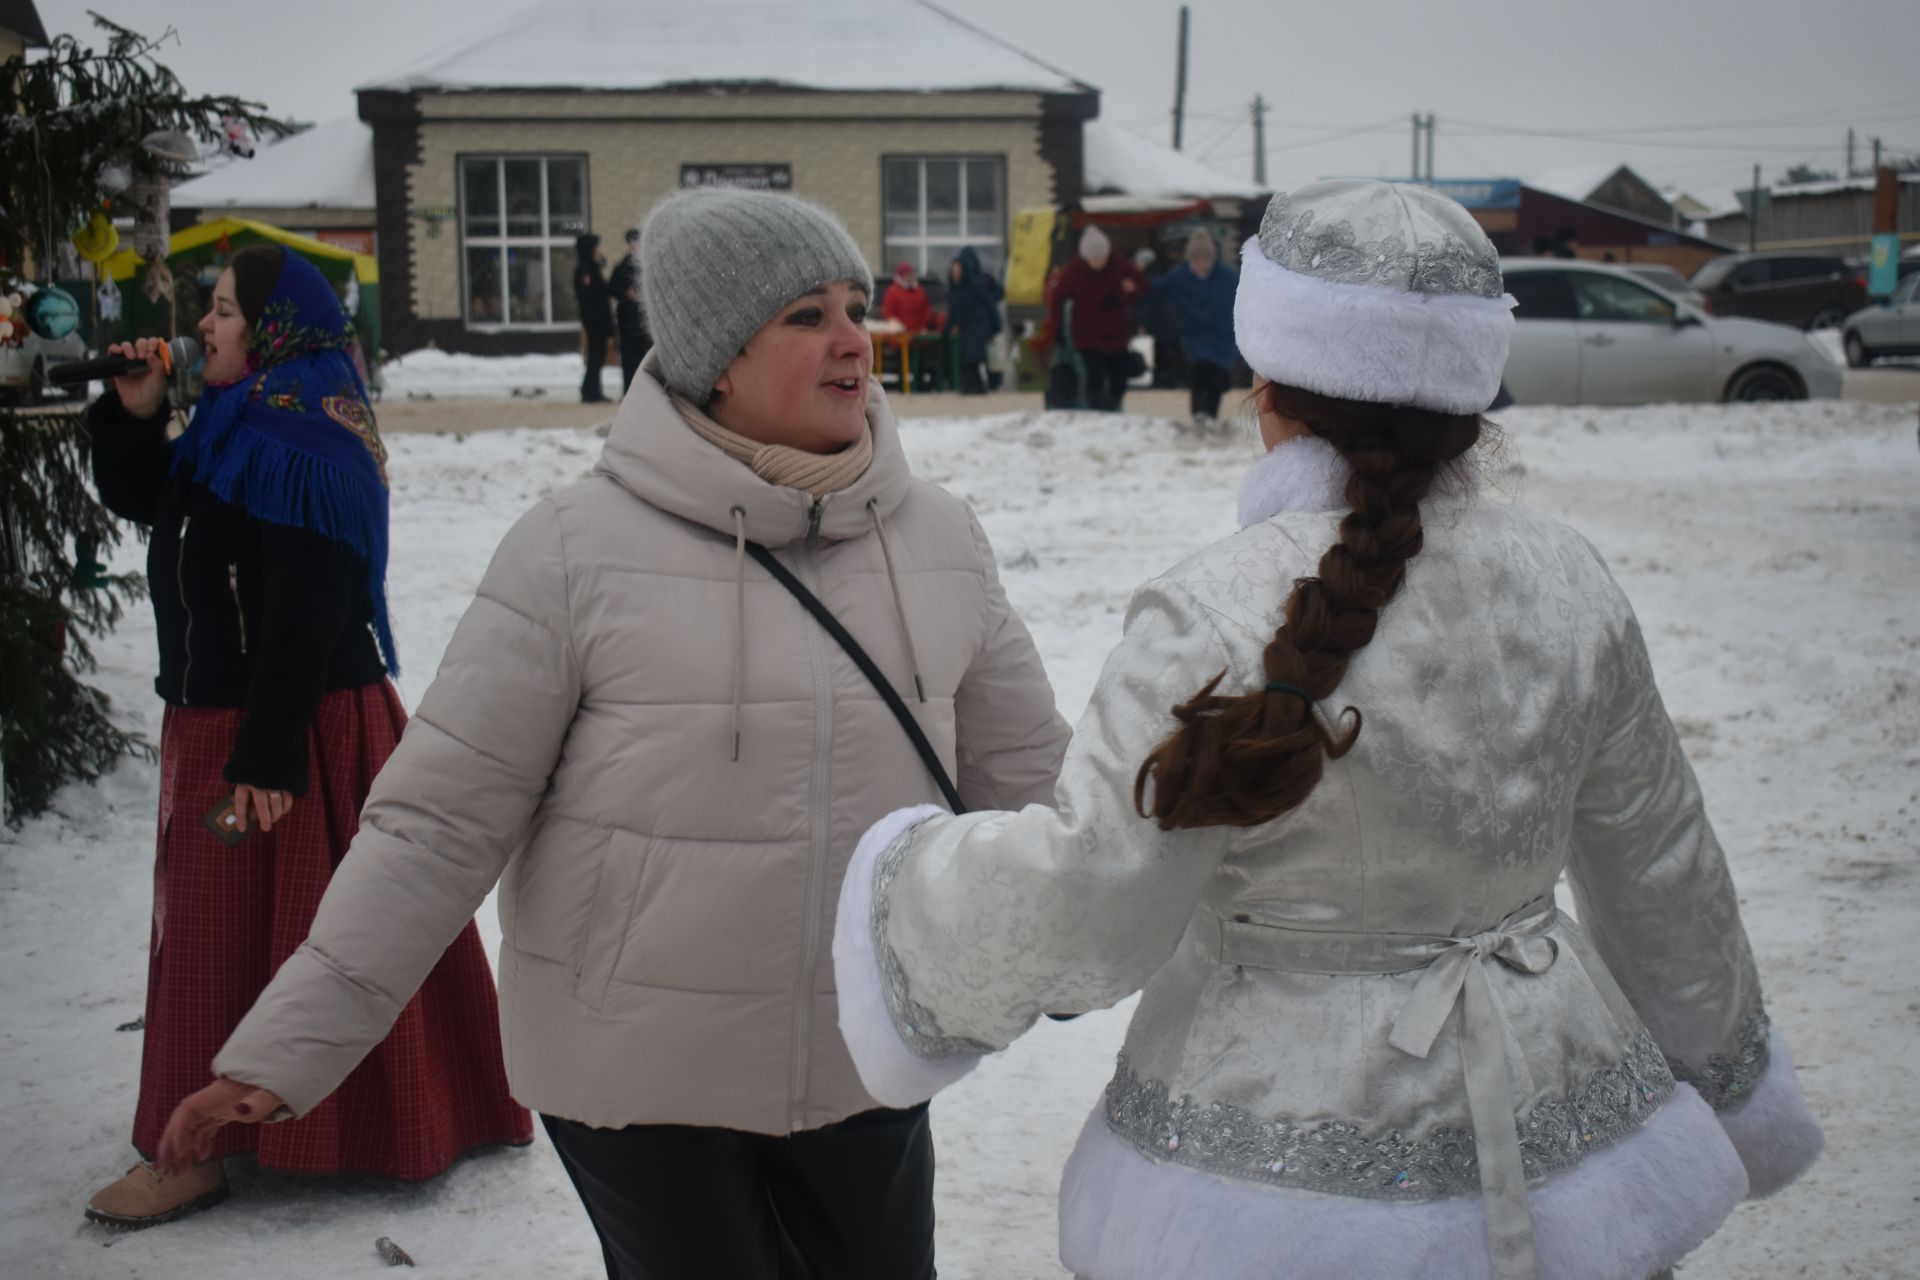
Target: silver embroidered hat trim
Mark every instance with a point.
(1341, 1158)
(1390, 235)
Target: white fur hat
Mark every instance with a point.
(1094, 243)
(1375, 291)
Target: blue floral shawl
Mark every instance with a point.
(294, 442)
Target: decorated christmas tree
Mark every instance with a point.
(80, 129)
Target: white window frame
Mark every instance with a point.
(549, 243)
(916, 247)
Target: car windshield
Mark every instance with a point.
(1713, 273)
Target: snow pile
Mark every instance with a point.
(1772, 553)
(433, 373)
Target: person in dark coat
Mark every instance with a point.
(1102, 288)
(629, 317)
(267, 556)
(1154, 315)
(595, 300)
(1199, 294)
(973, 317)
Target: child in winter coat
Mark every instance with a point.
(1317, 807)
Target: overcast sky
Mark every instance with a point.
(1786, 77)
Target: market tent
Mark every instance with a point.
(197, 256)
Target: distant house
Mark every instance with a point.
(20, 28)
(1615, 187)
(317, 183)
(1825, 217)
(922, 131)
(1519, 217)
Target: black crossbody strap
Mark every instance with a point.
(831, 624)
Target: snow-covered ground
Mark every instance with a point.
(1774, 555)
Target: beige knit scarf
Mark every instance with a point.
(790, 468)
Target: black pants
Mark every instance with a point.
(633, 349)
(852, 1201)
(1106, 379)
(590, 392)
(1209, 382)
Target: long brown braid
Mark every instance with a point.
(1244, 759)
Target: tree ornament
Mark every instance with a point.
(98, 239)
(52, 313)
(110, 302)
(236, 137)
(114, 177)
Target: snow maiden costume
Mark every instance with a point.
(1370, 1043)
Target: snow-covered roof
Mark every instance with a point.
(854, 45)
(1806, 189)
(329, 166)
(1123, 161)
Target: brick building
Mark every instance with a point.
(922, 132)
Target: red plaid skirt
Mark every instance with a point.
(225, 919)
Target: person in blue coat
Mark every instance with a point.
(973, 317)
(1200, 292)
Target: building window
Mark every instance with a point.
(518, 218)
(938, 205)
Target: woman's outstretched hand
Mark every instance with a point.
(188, 1139)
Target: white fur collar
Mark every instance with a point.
(1303, 473)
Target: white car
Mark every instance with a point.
(1889, 329)
(1586, 333)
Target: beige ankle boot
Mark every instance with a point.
(145, 1197)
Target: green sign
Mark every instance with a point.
(1886, 264)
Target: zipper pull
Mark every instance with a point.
(814, 513)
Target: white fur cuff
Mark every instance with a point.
(1364, 342)
(893, 1073)
(1774, 1130)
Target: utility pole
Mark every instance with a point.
(1753, 212)
(1876, 155)
(1259, 140)
(1180, 83)
(1849, 169)
(1422, 126)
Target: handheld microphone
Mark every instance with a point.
(181, 353)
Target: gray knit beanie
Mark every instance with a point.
(717, 263)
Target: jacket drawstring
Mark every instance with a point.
(899, 607)
(739, 618)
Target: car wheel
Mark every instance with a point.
(1764, 382)
(1857, 354)
(1828, 318)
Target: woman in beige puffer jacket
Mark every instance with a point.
(663, 761)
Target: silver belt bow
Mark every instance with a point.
(1456, 972)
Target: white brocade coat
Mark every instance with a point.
(1351, 1012)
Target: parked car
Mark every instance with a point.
(1807, 291)
(1891, 328)
(1666, 280)
(1586, 333)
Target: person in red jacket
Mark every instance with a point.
(906, 302)
(1102, 288)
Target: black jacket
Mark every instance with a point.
(252, 615)
(627, 314)
(973, 307)
(591, 294)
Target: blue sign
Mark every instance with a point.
(1886, 264)
(1487, 193)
